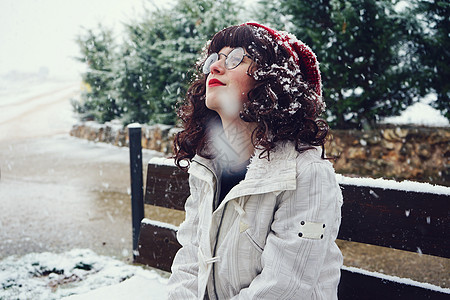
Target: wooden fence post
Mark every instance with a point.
(137, 187)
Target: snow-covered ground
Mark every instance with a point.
(77, 274)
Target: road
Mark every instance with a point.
(58, 192)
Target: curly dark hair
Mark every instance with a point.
(283, 104)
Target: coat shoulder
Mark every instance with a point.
(309, 156)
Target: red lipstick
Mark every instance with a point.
(215, 82)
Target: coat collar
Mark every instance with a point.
(263, 176)
(204, 169)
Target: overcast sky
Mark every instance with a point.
(41, 33)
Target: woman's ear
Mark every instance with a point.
(252, 68)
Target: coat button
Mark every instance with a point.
(323, 225)
(302, 223)
(300, 234)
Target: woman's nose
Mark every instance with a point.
(218, 67)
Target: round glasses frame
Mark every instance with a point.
(232, 60)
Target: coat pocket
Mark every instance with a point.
(253, 242)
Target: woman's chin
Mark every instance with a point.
(211, 105)
(227, 105)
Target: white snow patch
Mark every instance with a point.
(159, 224)
(419, 114)
(162, 161)
(77, 272)
(140, 286)
(134, 125)
(395, 185)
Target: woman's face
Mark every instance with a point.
(226, 90)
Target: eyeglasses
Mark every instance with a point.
(232, 60)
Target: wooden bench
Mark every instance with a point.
(408, 216)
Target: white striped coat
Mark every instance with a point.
(272, 237)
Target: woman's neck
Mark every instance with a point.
(239, 136)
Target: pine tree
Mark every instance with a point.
(359, 44)
(433, 49)
(98, 52)
(270, 13)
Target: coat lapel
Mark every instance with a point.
(263, 176)
(268, 176)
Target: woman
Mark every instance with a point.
(264, 210)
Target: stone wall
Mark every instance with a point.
(412, 153)
(156, 137)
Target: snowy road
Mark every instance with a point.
(57, 192)
(60, 193)
(36, 111)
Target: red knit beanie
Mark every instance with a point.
(302, 54)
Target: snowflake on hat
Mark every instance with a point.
(289, 74)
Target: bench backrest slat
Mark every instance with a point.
(359, 286)
(167, 186)
(411, 221)
(405, 220)
(157, 246)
